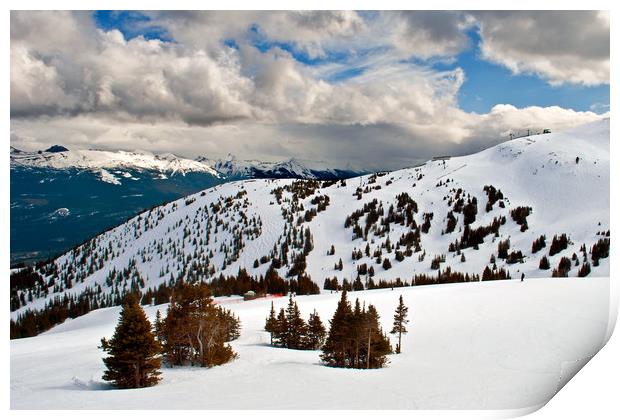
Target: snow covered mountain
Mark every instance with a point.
(102, 188)
(98, 190)
(293, 168)
(59, 157)
(535, 206)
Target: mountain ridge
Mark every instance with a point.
(459, 213)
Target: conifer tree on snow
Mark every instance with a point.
(281, 329)
(158, 327)
(195, 331)
(400, 322)
(296, 326)
(338, 337)
(133, 360)
(316, 331)
(271, 323)
(355, 338)
(378, 346)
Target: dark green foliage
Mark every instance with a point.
(539, 244)
(495, 274)
(563, 268)
(195, 330)
(400, 322)
(519, 215)
(436, 261)
(230, 323)
(271, 324)
(290, 331)
(316, 332)
(451, 222)
(600, 250)
(303, 285)
(544, 263)
(559, 243)
(494, 195)
(357, 284)
(426, 225)
(584, 270)
(469, 211)
(296, 328)
(473, 237)
(330, 284)
(133, 360)
(443, 277)
(355, 338)
(514, 257)
(24, 279)
(502, 249)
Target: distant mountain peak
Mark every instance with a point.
(57, 149)
(292, 167)
(102, 159)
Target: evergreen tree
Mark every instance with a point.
(357, 342)
(158, 327)
(296, 326)
(195, 331)
(316, 332)
(400, 322)
(133, 360)
(271, 323)
(337, 342)
(378, 344)
(281, 329)
(355, 338)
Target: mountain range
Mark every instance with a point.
(61, 197)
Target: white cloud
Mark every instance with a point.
(74, 84)
(560, 46)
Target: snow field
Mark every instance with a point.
(488, 345)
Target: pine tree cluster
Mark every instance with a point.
(355, 338)
(289, 330)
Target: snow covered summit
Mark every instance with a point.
(292, 168)
(58, 157)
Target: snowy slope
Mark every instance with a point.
(293, 168)
(101, 160)
(491, 345)
(230, 226)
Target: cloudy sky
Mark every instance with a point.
(372, 90)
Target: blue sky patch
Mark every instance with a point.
(131, 24)
(486, 84)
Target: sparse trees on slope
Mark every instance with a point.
(400, 322)
(133, 360)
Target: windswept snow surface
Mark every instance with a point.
(488, 345)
